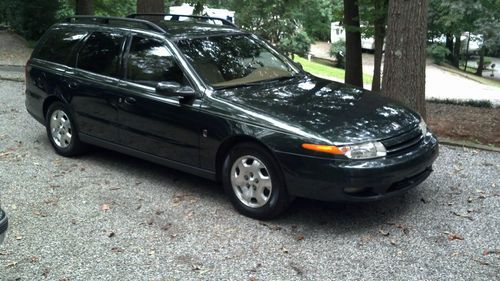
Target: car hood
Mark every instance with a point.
(316, 108)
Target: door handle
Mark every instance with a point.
(72, 84)
(130, 100)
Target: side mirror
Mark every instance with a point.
(174, 89)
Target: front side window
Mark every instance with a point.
(225, 61)
(149, 61)
(101, 54)
(59, 44)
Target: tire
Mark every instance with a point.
(62, 131)
(253, 181)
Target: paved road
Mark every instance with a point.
(105, 216)
(440, 84)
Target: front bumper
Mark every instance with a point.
(358, 180)
(4, 223)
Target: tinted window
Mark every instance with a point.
(150, 62)
(101, 54)
(59, 44)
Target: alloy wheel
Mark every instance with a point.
(60, 128)
(251, 181)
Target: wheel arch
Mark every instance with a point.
(231, 142)
(48, 102)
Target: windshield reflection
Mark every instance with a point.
(228, 61)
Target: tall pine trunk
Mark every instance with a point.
(449, 46)
(404, 67)
(150, 6)
(379, 24)
(353, 58)
(84, 7)
(480, 65)
(456, 51)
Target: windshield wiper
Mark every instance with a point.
(260, 82)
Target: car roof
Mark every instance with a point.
(189, 27)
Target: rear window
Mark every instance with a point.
(59, 44)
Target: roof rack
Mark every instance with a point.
(116, 21)
(177, 17)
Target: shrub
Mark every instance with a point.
(298, 43)
(474, 103)
(438, 53)
(337, 50)
(30, 18)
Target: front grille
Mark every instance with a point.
(403, 141)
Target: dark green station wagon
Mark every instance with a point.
(203, 96)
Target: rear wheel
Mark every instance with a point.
(253, 181)
(61, 131)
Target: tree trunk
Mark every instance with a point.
(84, 7)
(353, 63)
(449, 46)
(467, 52)
(198, 8)
(405, 53)
(480, 65)
(150, 6)
(456, 51)
(379, 24)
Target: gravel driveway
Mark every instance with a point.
(105, 216)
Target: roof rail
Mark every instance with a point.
(176, 17)
(116, 21)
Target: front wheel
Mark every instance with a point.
(253, 181)
(61, 131)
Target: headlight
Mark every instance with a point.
(423, 126)
(354, 151)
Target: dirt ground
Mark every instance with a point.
(468, 123)
(13, 49)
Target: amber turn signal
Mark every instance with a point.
(324, 148)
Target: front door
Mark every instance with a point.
(152, 123)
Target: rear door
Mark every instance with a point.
(152, 123)
(93, 84)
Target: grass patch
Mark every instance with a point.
(322, 69)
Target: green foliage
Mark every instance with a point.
(438, 53)
(317, 16)
(298, 43)
(273, 20)
(480, 17)
(337, 50)
(101, 8)
(30, 18)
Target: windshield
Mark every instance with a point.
(225, 61)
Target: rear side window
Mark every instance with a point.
(59, 44)
(101, 54)
(149, 61)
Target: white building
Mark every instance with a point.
(187, 10)
(338, 34)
